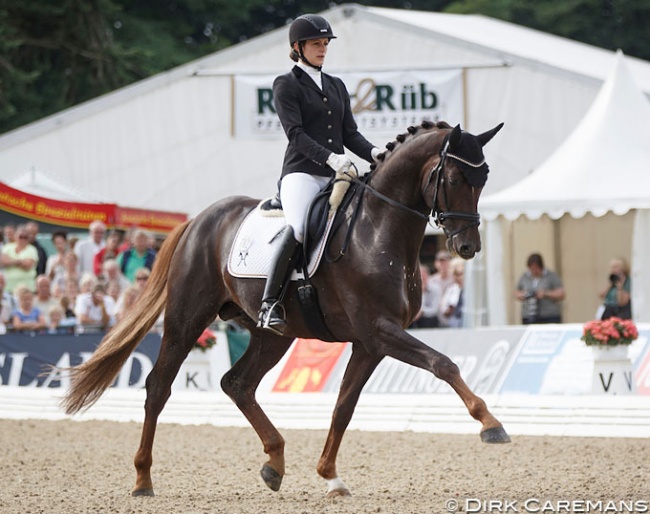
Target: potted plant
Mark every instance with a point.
(206, 341)
(610, 340)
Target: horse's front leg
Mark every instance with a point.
(264, 351)
(399, 344)
(357, 373)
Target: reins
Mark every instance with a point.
(437, 214)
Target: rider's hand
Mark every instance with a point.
(376, 154)
(339, 162)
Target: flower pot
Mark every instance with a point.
(613, 371)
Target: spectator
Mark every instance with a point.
(69, 317)
(88, 248)
(71, 289)
(128, 300)
(55, 266)
(451, 305)
(71, 271)
(110, 251)
(428, 315)
(26, 316)
(441, 279)
(112, 274)
(541, 293)
(19, 260)
(95, 309)
(139, 256)
(32, 232)
(7, 304)
(55, 325)
(44, 300)
(141, 278)
(616, 296)
(9, 233)
(114, 291)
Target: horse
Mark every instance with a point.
(367, 297)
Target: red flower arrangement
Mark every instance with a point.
(206, 341)
(609, 332)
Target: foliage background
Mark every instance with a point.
(57, 53)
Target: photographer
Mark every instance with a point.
(616, 296)
(541, 293)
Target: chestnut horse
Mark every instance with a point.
(368, 297)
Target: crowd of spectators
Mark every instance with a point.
(83, 285)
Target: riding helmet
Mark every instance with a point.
(309, 26)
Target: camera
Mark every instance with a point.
(613, 278)
(530, 295)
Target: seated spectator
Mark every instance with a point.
(71, 290)
(110, 251)
(44, 299)
(141, 278)
(55, 266)
(26, 317)
(58, 324)
(19, 260)
(139, 256)
(428, 315)
(113, 290)
(95, 309)
(128, 300)
(68, 313)
(87, 282)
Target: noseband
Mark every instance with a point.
(437, 177)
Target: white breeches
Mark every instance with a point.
(297, 190)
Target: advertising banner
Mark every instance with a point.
(309, 366)
(381, 101)
(55, 212)
(481, 355)
(26, 359)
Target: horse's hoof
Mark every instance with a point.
(339, 493)
(495, 435)
(271, 477)
(142, 492)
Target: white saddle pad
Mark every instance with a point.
(256, 243)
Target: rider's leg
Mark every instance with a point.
(297, 190)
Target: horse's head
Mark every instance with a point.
(451, 187)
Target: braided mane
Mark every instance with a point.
(410, 132)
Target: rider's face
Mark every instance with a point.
(315, 50)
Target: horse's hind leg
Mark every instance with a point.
(357, 373)
(264, 351)
(178, 339)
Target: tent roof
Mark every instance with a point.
(39, 183)
(601, 166)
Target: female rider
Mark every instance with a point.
(314, 109)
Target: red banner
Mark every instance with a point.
(56, 212)
(80, 215)
(309, 366)
(156, 221)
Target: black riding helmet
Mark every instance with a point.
(309, 26)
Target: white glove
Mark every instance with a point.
(339, 162)
(375, 153)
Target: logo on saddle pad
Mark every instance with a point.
(256, 243)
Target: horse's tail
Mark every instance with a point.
(90, 379)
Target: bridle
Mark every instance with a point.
(436, 177)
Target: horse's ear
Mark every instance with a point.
(454, 136)
(486, 136)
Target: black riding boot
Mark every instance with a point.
(271, 315)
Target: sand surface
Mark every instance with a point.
(78, 467)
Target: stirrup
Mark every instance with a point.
(271, 320)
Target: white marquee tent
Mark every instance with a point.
(173, 140)
(602, 166)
